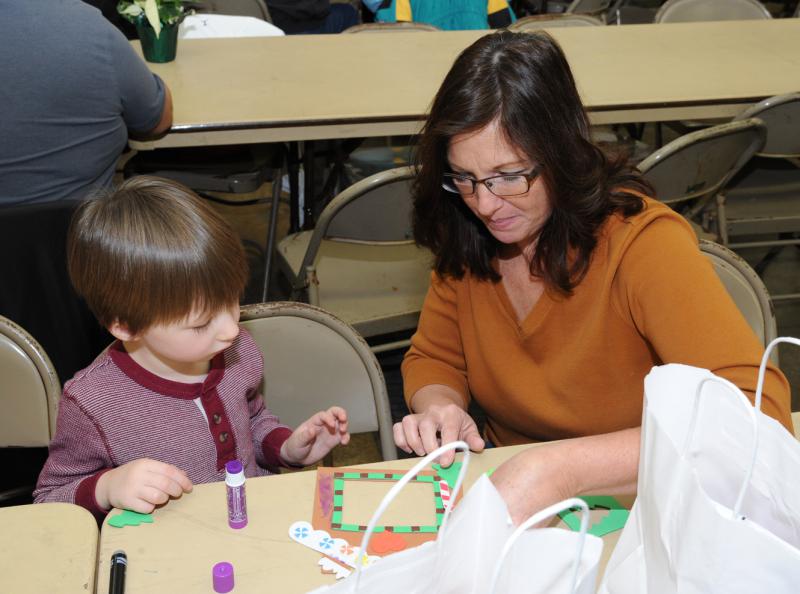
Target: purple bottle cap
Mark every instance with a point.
(233, 467)
(222, 576)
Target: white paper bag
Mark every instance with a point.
(718, 507)
(464, 558)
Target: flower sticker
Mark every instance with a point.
(346, 549)
(301, 532)
(326, 542)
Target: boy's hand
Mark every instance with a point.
(317, 436)
(141, 485)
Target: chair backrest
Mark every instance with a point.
(398, 27)
(683, 11)
(313, 360)
(781, 116)
(376, 209)
(701, 163)
(593, 7)
(746, 289)
(251, 8)
(29, 389)
(537, 22)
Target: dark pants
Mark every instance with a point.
(341, 17)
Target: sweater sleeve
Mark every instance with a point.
(670, 292)
(78, 456)
(268, 433)
(436, 355)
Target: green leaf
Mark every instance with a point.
(132, 10)
(151, 12)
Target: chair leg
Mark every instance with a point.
(773, 252)
(292, 167)
(307, 219)
(271, 231)
(313, 285)
(722, 220)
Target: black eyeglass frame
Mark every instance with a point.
(529, 178)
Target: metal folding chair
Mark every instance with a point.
(313, 360)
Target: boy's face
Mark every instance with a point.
(188, 345)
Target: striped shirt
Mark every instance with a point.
(115, 411)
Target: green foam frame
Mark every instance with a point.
(339, 480)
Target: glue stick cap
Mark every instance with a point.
(222, 576)
(233, 467)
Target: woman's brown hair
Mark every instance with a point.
(523, 81)
(153, 252)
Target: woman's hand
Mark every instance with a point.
(140, 485)
(317, 436)
(438, 424)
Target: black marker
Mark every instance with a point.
(119, 561)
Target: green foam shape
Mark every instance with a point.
(129, 518)
(615, 520)
(449, 474)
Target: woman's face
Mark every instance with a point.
(486, 153)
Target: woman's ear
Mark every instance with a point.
(120, 331)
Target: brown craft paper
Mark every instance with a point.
(415, 505)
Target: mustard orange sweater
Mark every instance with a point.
(575, 366)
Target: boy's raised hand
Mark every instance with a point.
(317, 436)
(141, 485)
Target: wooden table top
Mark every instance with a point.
(339, 86)
(188, 536)
(47, 547)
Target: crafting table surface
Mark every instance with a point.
(188, 536)
(48, 547)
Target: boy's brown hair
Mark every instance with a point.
(152, 252)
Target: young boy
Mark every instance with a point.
(177, 395)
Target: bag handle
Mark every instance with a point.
(398, 486)
(753, 411)
(762, 370)
(544, 514)
(750, 410)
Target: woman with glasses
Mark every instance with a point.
(557, 284)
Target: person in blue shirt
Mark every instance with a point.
(450, 15)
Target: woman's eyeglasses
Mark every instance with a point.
(500, 185)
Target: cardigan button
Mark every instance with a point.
(223, 437)
(216, 418)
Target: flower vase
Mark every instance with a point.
(158, 49)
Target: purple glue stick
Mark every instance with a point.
(237, 504)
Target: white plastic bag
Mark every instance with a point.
(718, 507)
(205, 26)
(465, 557)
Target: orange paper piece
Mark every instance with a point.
(384, 543)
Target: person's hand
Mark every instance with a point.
(533, 479)
(317, 436)
(437, 425)
(141, 485)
